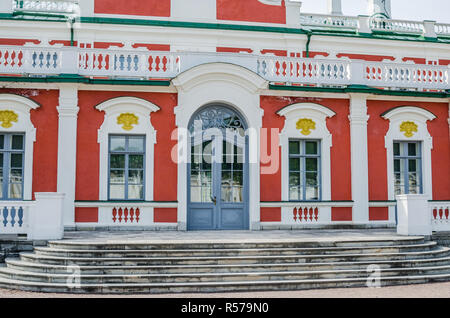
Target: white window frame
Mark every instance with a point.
(420, 117)
(318, 114)
(22, 107)
(114, 108)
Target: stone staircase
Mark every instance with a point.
(176, 267)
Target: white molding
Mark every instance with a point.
(193, 10)
(420, 117)
(319, 115)
(226, 84)
(22, 106)
(142, 109)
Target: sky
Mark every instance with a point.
(416, 10)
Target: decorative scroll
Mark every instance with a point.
(127, 120)
(409, 128)
(7, 117)
(305, 125)
(217, 117)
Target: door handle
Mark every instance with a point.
(214, 200)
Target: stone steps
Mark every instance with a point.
(220, 266)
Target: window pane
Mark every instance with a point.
(117, 143)
(195, 179)
(117, 191)
(2, 141)
(294, 147)
(294, 164)
(311, 164)
(294, 193)
(311, 147)
(15, 176)
(226, 178)
(311, 179)
(17, 142)
(294, 179)
(396, 149)
(16, 160)
(136, 161)
(412, 149)
(117, 161)
(238, 178)
(15, 191)
(312, 193)
(412, 165)
(117, 176)
(136, 177)
(135, 192)
(136, 144)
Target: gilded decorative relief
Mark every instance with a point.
(127, 120)
(409, 128)
(305, 125)
(7, 117)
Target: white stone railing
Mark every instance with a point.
(329, 21)
(142, 64)
(405, 75)
(46, 6)
(402, 26)
(442, 29)
(14, 217)
(440, 218)
(113, 214)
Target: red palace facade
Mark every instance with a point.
(246, 115)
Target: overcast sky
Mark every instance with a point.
(418, 10)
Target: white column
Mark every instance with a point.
(67, 145)
(334, 7)
(359, 157)
(6, 6)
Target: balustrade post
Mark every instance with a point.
(6, 6)
(69, 60)
(430, 29)
(293, 13)
(364, 24)
(46, 217)
(413, 214)
(86, 8)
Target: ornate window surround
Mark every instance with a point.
(22, 106)
(113, 108)
(318, 114)
(419, 116)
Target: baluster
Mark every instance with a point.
(125, 213)
(20, 215)
(13, 216)
(120, 215)
(114, 214)
(316, 214)
(131, 215)
(5, 216)
(294, 211)
(138, 213)
(153, 65)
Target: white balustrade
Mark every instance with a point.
(401, 26)
(407, 75)
(14, 217)
(120, 63)
(440, 218)
(303, 70)
(327, 21)
(442, 29)
(54, 6)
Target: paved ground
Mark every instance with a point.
(436, 290)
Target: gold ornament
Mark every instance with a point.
(127, 120)
(305, 125)
(7, 117)
(409, 128)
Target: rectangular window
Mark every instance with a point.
(304, 170)
(126, 167)
(407, 167)
(12, 155)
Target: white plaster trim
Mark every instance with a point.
(318, 114)
(142, 109)
(227, 84)
(22, 107)
(420, 117)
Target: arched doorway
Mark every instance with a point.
(217, 171)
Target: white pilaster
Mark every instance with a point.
(334, 7)
(67, 146)
(86, 8)
(193, 10)
(293, 13)
(359, 157)
(6, 6)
